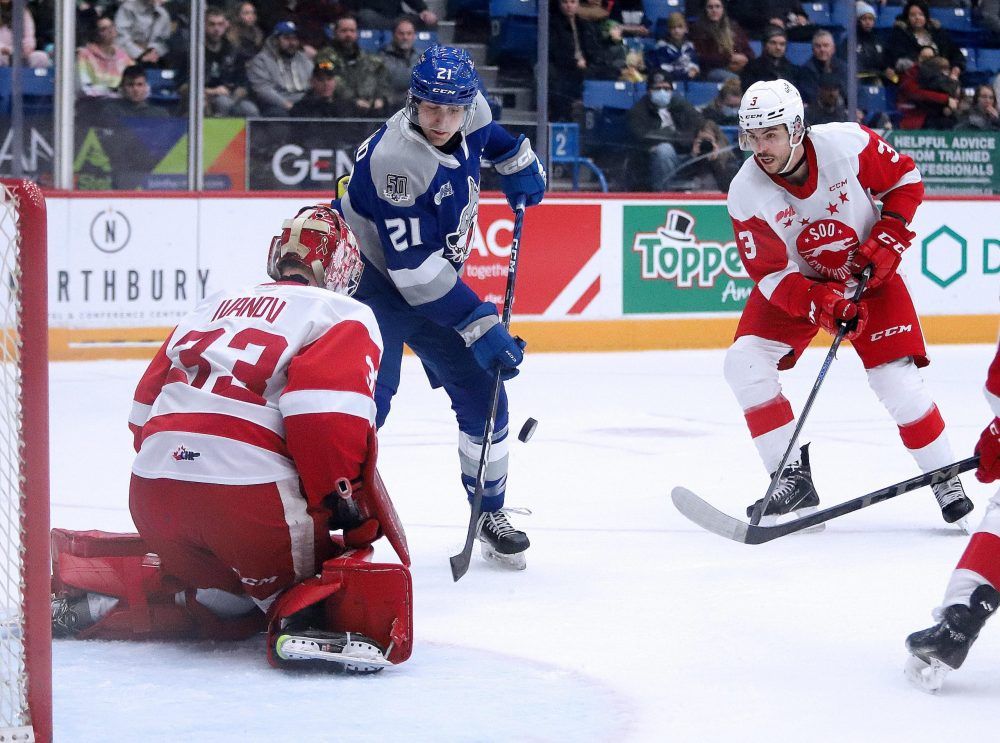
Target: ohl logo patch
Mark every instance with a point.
(827, 246)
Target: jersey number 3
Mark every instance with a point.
(246, 381)
(749, 246)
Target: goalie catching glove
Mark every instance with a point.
(883, 249)
(521, 174)
(827, 307)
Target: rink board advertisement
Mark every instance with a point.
(124, 269)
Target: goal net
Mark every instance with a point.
(25, 614)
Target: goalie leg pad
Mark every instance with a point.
(119, 565)
(354, 595)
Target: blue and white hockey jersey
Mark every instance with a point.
(413, 209)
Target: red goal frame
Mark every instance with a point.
(34, 463)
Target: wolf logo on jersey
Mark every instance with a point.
(460, 241)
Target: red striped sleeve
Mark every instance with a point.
(893, 174)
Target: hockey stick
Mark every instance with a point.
(713, 520)
(460, 562)
(842, 332)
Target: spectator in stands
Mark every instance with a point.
(312, 19)
(32, 56)
(928, 96)
(631, 15)
(821, 64)
(134, 100)
(362, 75)
(143, 30)
(724, 109)
(225, 71)
(675, 55)
(100, 64)
(244, 33)
(988, 16)
(869, 50)
(756, 15)
(722, 47)
(574, 50)
(383, 13)
(829, 104)
(321, 101)
(399, 56)
(663, 125)
(915, 29)
(983, 114)
(279, 73)
(711, 165)
(772, 64)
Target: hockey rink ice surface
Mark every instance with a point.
(630, 623)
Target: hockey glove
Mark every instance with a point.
(883, 249)
(493, 347)
(988, 450)
(829, 309)
(521, 174)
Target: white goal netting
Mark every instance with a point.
(15, 669)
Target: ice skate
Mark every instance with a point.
(943, 648)
(70, 614)
(954, 503)
(348, 652)
(794, 494)
(500, 542)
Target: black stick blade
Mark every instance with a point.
(460, 565)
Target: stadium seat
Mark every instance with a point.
(953, 19)
(162, 85)
(660, 9)
(799, 52)
(700, 93)
(886, 17)
(819, 13)
(611, 94)
(971, 58)
(371, 40)
(988, 60)
(839, 13)
(37, 90)
(424, 39)
(756, 46)
(504, 8)
(514, 38)
(564, 148)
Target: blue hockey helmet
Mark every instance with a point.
(446, 76)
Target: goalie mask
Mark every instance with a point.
(772, 103)
(320, 240)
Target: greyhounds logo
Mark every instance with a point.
(827, 246)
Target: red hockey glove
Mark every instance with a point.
(828, 308)
(988, 450)
(883, 249)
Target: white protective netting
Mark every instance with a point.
(13, 669)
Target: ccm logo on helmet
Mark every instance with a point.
(444, 90)
(891, 331)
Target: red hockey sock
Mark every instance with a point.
(982, 556)
(923, 431)
(768, 416)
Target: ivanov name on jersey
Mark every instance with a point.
(413, 208)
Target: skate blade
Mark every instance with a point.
(773, 520)
(512, 562)
(359, 657)
(928, 677)
(964, 525)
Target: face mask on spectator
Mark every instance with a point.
(661, 97)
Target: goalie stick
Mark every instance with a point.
(460, 562)
(706, 516)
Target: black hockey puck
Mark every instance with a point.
(528, 429)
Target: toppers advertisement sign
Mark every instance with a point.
(681, 258)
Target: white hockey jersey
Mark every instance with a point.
(263, 384)
(789, 233)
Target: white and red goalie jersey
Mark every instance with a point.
(787, 233)
(260, 385)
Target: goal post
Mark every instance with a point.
(25, 606)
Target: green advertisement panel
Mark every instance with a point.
(681, 258)
(955, 161)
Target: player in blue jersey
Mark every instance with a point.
(412, 201)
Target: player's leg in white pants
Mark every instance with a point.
(902, 391)
(751, 370)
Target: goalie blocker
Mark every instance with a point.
(351, 594)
